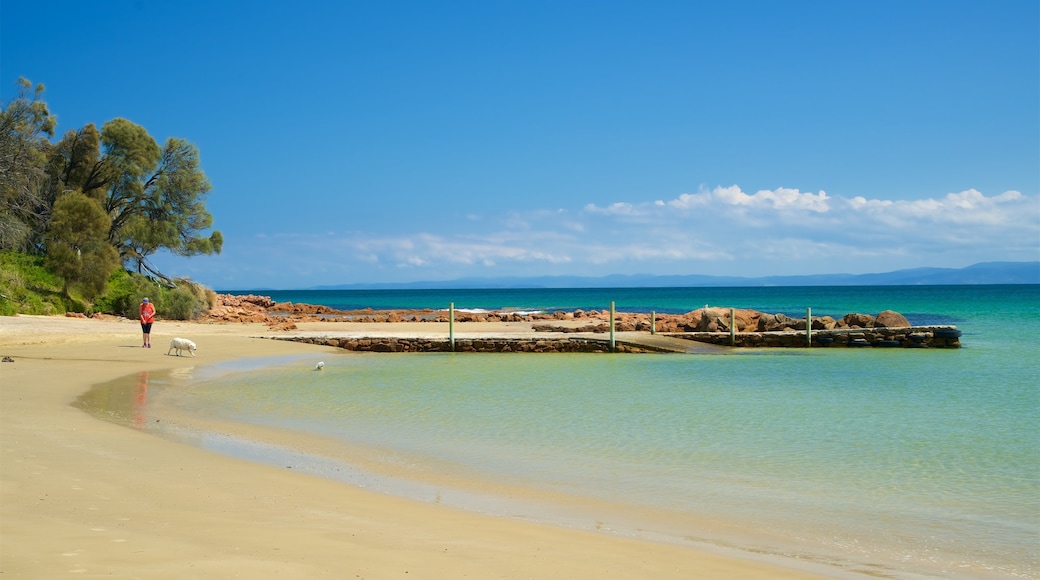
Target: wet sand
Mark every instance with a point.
(87, 497)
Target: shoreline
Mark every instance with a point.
(426, 479)
(81, 495)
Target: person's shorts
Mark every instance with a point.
(146, 327)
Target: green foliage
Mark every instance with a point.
(77, 248)
(170, 212)
(75, 164)
(179, 304)
(205, 296)
(124, 294)
(185, 301)
(129, 149)
(25, 125)
(95, 200)
(28, 287)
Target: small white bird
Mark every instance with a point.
(319, 366)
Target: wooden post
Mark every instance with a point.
(732, 327)
(611, 326)
(808, 327)
(653, 322)
(451, 325)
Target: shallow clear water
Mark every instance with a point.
(899, 462)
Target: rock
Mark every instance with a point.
(747, 320)
(263, 302)
(281, 325)
(859, 320)
(891, 319)
(773, 322)
(823, 323)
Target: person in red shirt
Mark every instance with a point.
(147, 318)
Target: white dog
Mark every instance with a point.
(319, 366)
(180, 344)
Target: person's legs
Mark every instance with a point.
(146, 332)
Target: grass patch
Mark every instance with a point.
(27, 287)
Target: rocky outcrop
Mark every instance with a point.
(230, 309)
(245, 301)
(247, 308)
(290, 308)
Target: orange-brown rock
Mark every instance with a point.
(283, 324)
(245, 300)
(855, 320)
(290, 308)
(891, 319)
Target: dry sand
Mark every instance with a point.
(88, 498)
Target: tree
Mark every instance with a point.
(130, 156)
(153, 195)
(77, 244)
(171, 214)
(25, 126)
(75, 164)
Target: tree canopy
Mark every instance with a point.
(148, 197)
(77, 246)
(25, 126)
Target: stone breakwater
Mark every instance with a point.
(910, 337)
(719, 326)
(590, 345)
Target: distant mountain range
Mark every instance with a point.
(983, 273)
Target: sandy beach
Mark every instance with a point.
(81, 496)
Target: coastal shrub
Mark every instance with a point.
(206, 297)
(185, 301)
(177, 305)
(180, 304)
(124, 293)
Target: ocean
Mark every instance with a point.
(898, 463)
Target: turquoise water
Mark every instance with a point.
(899, 463)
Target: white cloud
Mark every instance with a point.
(781, 198)
(722, 231)
(619, 208)
(968, 207)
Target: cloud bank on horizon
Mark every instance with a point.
(717, 231)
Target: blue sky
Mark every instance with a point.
(371, 142)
